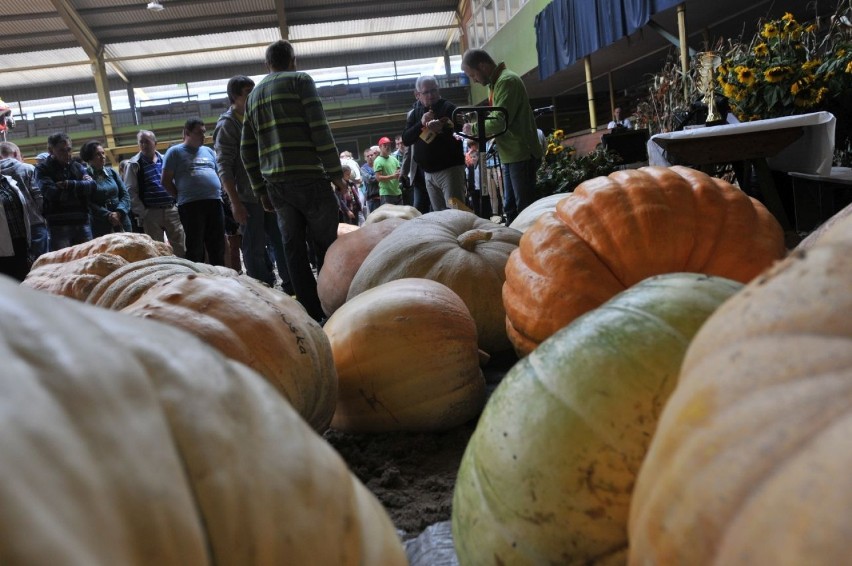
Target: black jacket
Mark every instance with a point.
(445, 151)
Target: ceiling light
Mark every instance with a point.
(155, 6)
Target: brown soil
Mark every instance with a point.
(412, 474)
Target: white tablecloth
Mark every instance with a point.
(812, 153)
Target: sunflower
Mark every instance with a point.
(558, 149)
(761, 50)
(745, 75)
(848, 67)
(788, 17)
(551, 148)
(776, 74)
(558, 135)
(770, 30)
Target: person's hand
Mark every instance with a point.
(239, 211)
(267, 204)
(61, 184)
(427, 117)
(350, 213)
(435, 126)
(114, 218)
(340, 183)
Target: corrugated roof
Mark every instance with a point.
(139, 43)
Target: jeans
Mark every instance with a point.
(204, 226)
(39, 240)
(519, 186)
(305, 205)
(70, 235)
(260, 229)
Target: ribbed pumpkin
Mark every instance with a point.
(530, 214)
(613, 232)
(128, 442)
(456, 248)
(343, 259)
(126, 284)
(407, 359)
(75, 278)
(751, 460)
(401, 211)
(254, 324)
(131, 246)
(547, 475)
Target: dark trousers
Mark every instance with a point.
(518, 186)
(305, 206)
(17, 265)
(204, 226)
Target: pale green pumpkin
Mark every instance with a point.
(548, 474)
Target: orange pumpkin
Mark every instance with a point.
(343, 259)
(615, 231)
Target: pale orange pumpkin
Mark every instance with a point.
(254, 324)
(613, 232)
(126, 441)
(407, 359)
(751, 460)
(132, 246)
(75, 278)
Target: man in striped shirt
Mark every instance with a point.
(291, 158)
(150, 202)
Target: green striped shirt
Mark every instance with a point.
(285, 133)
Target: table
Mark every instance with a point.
(833, 192)
(802, 144)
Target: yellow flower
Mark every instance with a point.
(761, 50)
(808, 66)
(787, 17)
(745, 75)
(820, 95)
(776, 74)
(848, 67)
(728, 90)
(810, 28)
(800, 86)
(558, 135)
(770, 30)
(551, 148)
(558, 149)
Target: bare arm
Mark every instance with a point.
(168, 181)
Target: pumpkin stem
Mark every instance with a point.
(469, 239)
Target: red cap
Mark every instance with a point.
(384, 140)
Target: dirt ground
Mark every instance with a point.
(413, 474)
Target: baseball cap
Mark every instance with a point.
(384, 140)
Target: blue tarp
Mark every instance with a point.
(568, 30)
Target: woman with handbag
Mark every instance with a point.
(109, 203)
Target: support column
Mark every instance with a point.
(102, 86)
(611, 93)
(684, 48)
(590, 92)
(131, 100)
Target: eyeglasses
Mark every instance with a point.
(430, 91)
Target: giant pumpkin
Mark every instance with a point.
(751, 462)
(132, 246)
(456, 248)
(252, 323)
(547, 475)
(125, 441)
(407, 359)
(343, 259)
(615, 231)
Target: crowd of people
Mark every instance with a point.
(273, 185)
